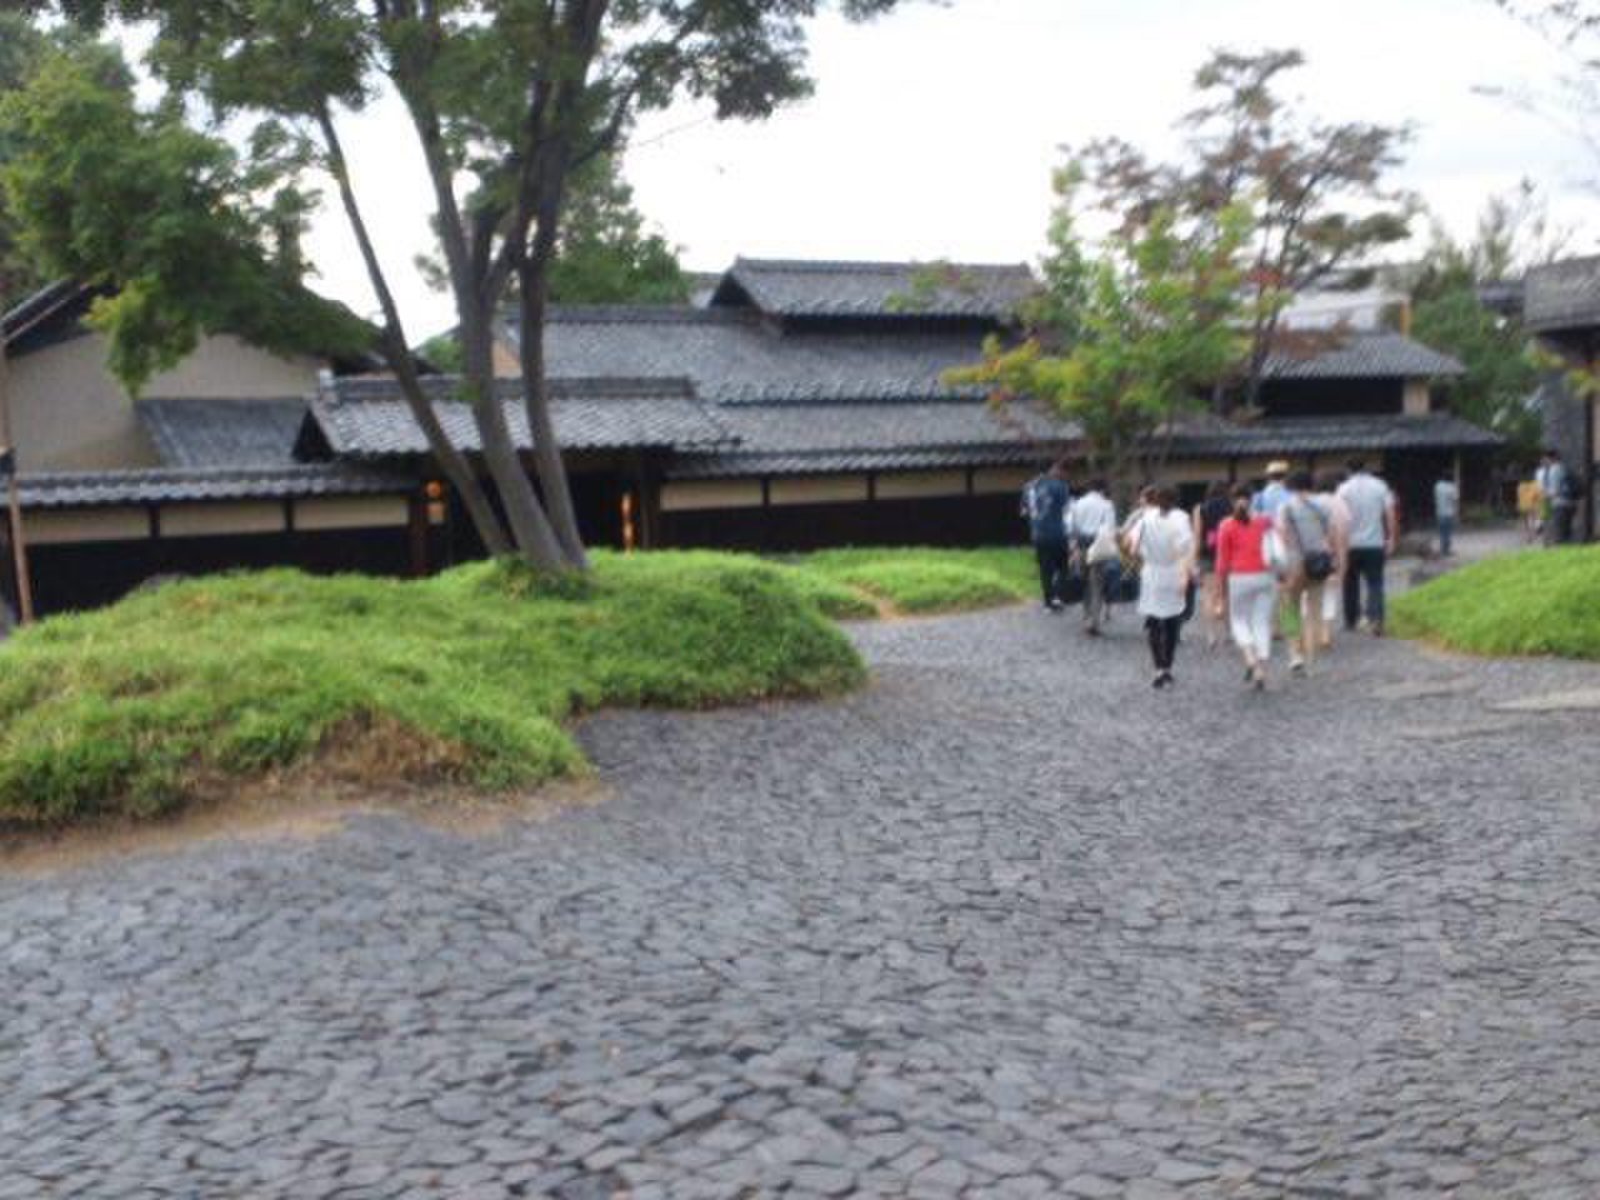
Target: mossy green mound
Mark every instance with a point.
(925, 580)
(468, 676)
(1542, 602)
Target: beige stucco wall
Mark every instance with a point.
(69, 414)
(1417, 402)
(62, 526)
(910, 485)
(818, 489)
(355, 512)
(990, 481)
(218, 520)
(694, 495)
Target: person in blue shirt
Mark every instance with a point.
(1275, 495)
(1044, 504)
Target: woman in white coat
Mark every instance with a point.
(1164, 542)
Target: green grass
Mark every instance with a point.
(131, 710)
(925, 580)
(1537, 602)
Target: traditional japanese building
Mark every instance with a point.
(802, 404)
(1561, 305)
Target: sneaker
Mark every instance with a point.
(1297, 667)
(1377, 629)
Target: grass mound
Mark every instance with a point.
(924, 580)
(467, 677)
(1535, 602)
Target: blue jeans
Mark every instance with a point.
(1447, 531)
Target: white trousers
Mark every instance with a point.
(1251, 599)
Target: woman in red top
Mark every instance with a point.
(1248, 587)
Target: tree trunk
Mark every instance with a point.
(536, 540)
(398, 354)
(536, 400)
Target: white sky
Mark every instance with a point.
(933, 130)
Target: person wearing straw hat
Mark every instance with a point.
(1275, 495)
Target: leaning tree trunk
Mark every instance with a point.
(397, 352)
(19, 549)
(541, 424)
(537, 543)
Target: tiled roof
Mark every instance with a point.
(738, 464)
(223, 433)
(366, 417)
(732, 357)
(1373, 355)
(789, 288)
(1324, 435)
(1562, 295)
(168, 485)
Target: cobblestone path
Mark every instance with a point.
(1008, 923)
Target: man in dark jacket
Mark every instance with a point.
(1044, 504)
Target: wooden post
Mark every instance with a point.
(417, 526)
(8, 459)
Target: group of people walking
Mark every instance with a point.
(1282, 560)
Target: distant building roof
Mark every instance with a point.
(366, 417)
(1365, 355)
(1327, 435)
(223, 433)
(790, 288)
(789, 438)
(1562, 295)
(732, 357)
(175, 485)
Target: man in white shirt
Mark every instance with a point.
(1373, 535)
(1446, 508)
(1091, 522)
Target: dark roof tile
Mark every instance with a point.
(1562, 295)
(1367, 355)
(789, 288)
(167, 485)
(367, 418)
(223, 433)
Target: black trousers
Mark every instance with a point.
(1052, 558)
(1366, 566)
(1163, 633)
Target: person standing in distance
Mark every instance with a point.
(1374, 534)
(1560, 498)
(1092, 526)
(1044, 504)
(1446, 508)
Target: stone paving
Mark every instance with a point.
(1008, 923)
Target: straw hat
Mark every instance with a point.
(1277, 467)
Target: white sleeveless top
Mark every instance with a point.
(1164, 541)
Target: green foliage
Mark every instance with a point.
(1140, 329)
(1317, 190)
(186, 238)
(605, 255)
(1502, 370)
(466, 676)
(1535, 602)
(925, 580)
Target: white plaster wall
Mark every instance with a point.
(69, 414)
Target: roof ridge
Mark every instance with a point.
(842, 266)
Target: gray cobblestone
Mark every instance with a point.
(1005, 924)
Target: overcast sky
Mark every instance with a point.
(933, 131)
